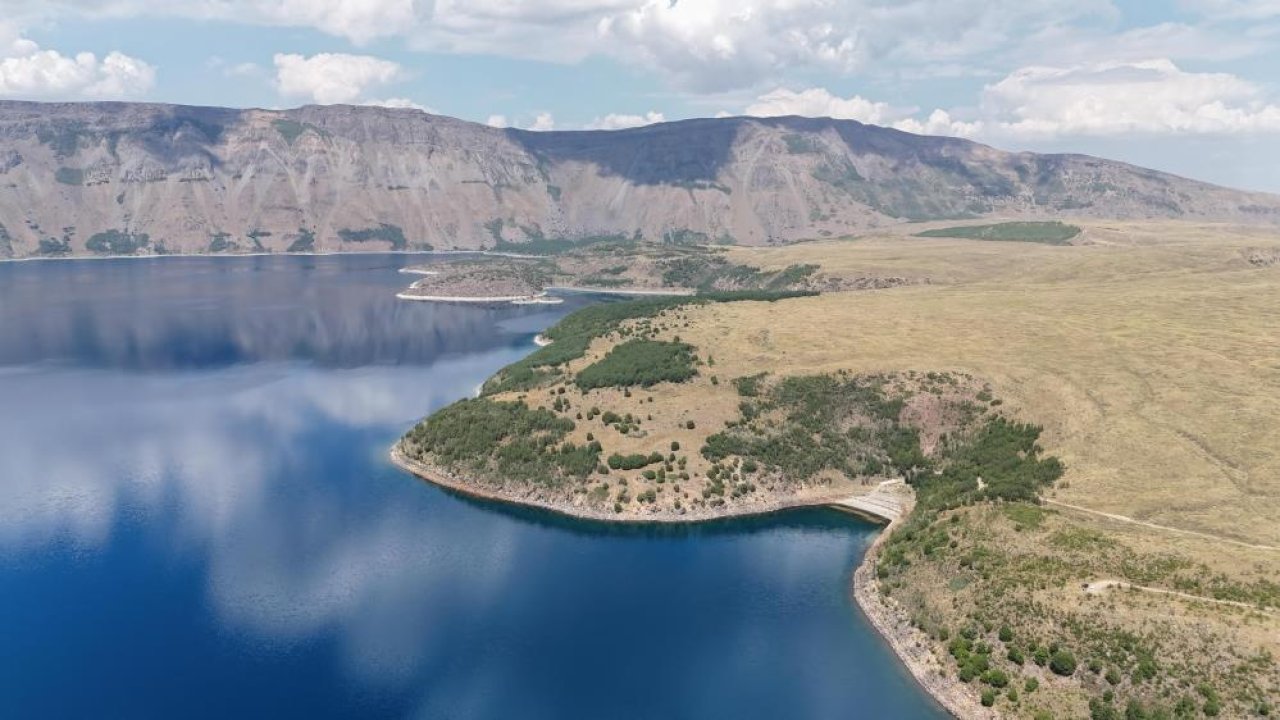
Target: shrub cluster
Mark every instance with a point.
(640, 362)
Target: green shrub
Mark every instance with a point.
(995, 678)
(634, 461)
(384, 232)
(988, 697)
(114, 242)
(1062, 663)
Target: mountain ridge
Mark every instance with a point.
(149, 178)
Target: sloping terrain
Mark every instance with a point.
(125, 178)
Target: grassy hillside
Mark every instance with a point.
(1149, 357)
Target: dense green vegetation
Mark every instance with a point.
(305, 241)
(506, 440)
(634, 461)
(803, 425)
(69, 176)
(384, 232)
(572, 335)
(290, 130)
(707, 272)
(54, 246)
(1004, 454)
(221, 242)
(1049, 233)
(639, 362)
(800, 144)
(115, 242)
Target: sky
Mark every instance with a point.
(1187, 86)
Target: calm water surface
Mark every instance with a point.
(198, 519)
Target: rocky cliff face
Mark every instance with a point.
(123, 178)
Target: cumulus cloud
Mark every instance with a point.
(1153, 96)
(1150, 97)
(332, 77)
(820, 102)
(615, 121)
(400, 103)
(719, 45)
(498, 121)
(939, 122)
(543, 121)
(28, 71)
(703, 45)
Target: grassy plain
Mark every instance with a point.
(1150, 354)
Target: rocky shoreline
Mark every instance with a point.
(444, 479)
(911, 646)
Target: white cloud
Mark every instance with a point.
(1153, 96)
(28, 71)
(244, 69)
(717, 45)
(543, 121)
(330, 78)
(819, 102)
(400, 103)
(1150, 97)
(1069, 45)
(703, 45)
(939, 122)
(615, 121)
(498, 121)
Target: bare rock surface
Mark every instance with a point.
(135, 178)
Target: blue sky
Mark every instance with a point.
(1188, 86)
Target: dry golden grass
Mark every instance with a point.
(1150, 354)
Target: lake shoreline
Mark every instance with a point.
(911, 647)
(462, 486)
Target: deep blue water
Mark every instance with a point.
(198, 519)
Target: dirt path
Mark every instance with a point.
(1166, 528)
(1099, 586)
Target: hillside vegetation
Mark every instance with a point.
(1050, 233)
(1091, 431)
(1148, 359)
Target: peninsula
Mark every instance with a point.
(1039, 564)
